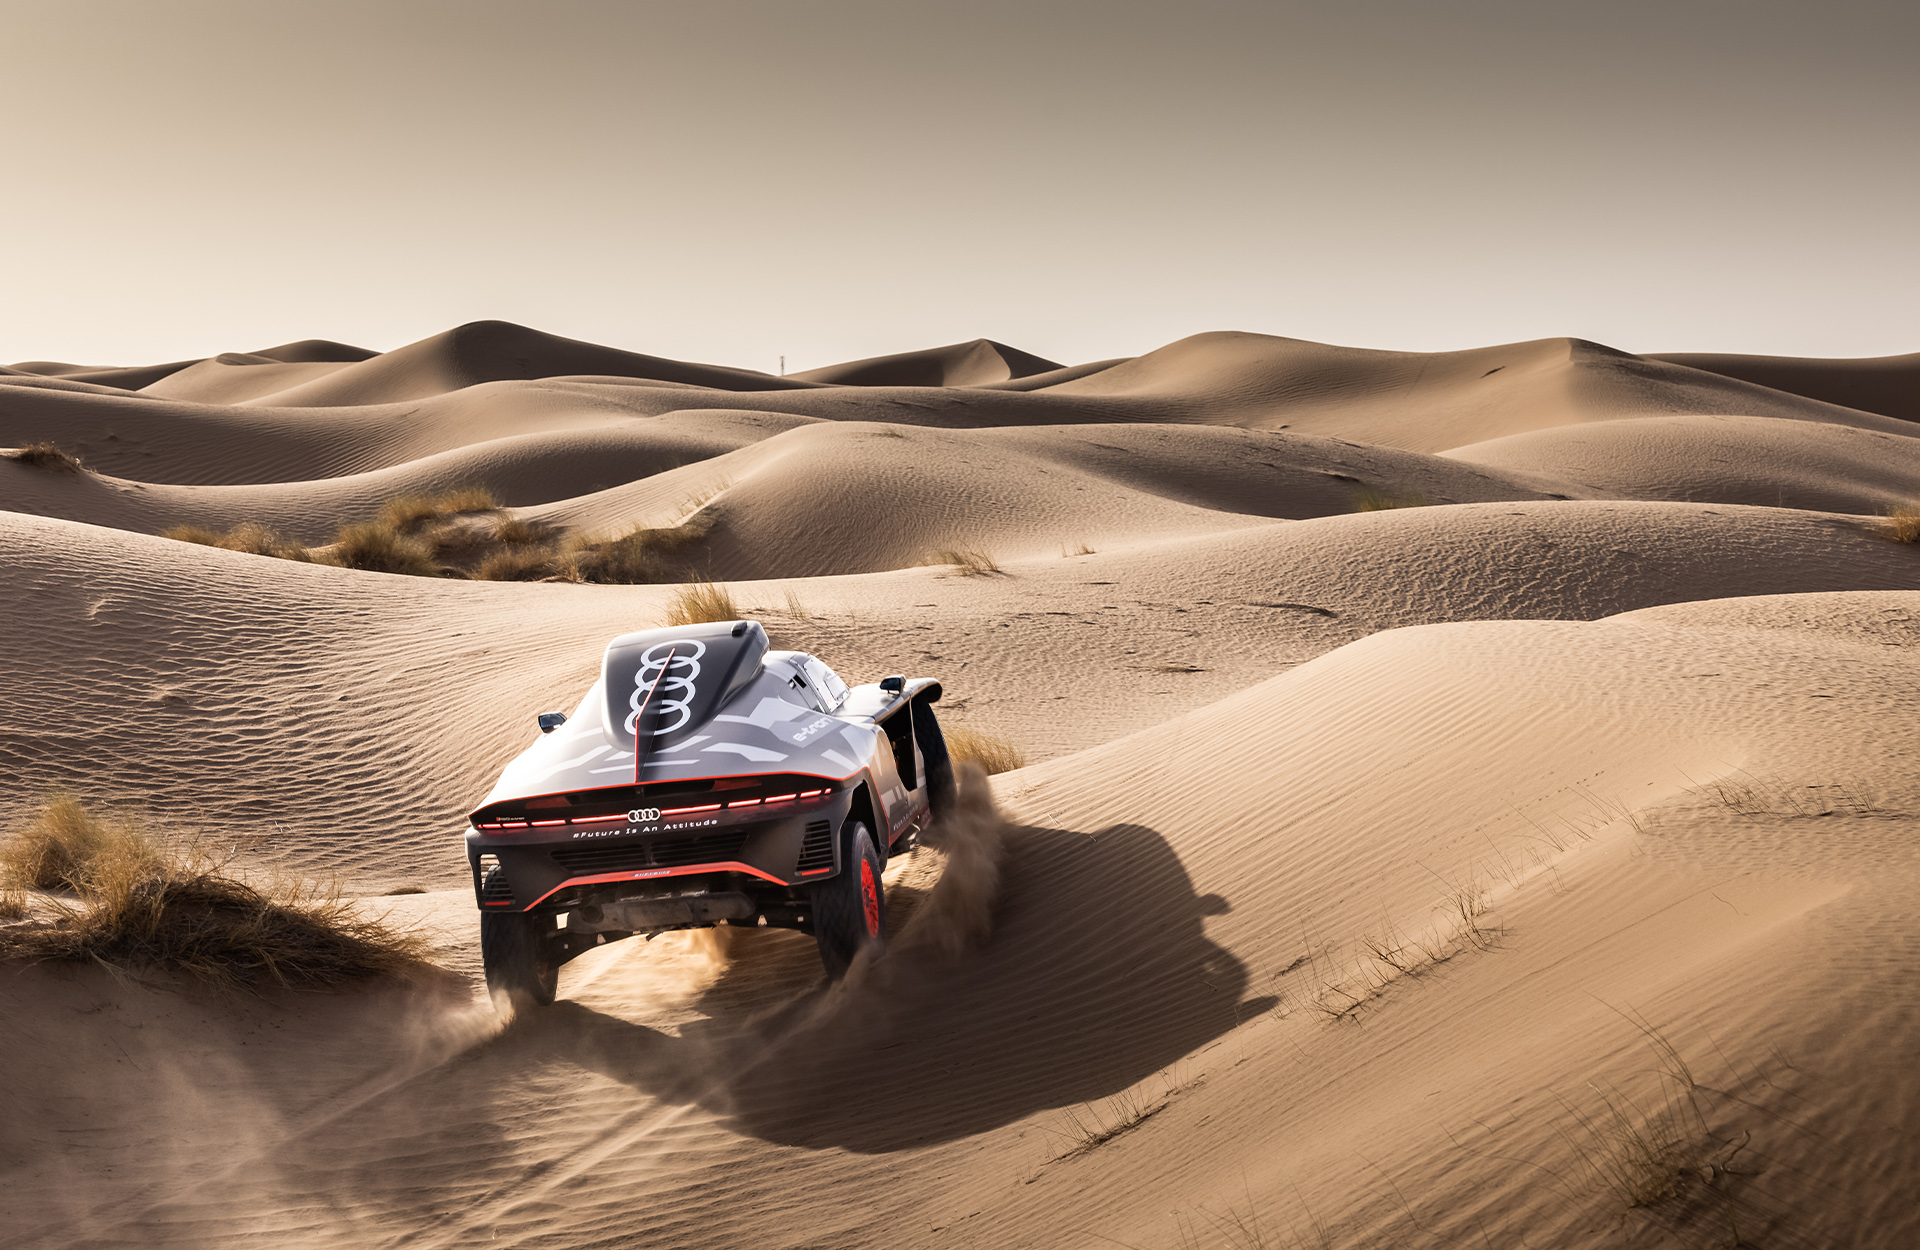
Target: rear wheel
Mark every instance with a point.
(933, 750)
(522, 964)
(850, 910)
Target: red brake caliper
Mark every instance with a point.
(870, 895)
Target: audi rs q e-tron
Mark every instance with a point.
(703, 780)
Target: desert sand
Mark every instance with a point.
(1528, 864)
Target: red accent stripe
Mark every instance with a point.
(681, 811)
(652, 874)
(538, 824)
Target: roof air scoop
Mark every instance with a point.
(662, 685)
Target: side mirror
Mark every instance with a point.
(550, 721)
(893, 685)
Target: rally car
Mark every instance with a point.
(703, 780)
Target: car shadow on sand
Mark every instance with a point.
(1098, 974)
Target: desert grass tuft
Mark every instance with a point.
(971, 561)
(797, 610)
(515, 532)
(516, 564)
(141, 902)
(45, 456)
(700, 602)
(1371, 500)
(379, 548)
(13, 902)
(64, 844)
(407, 513)
(251, 538)
(991, 751)
(1903, 523)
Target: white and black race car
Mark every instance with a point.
(704, 779)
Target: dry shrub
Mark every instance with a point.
(795, 608)
(1903, 523)
(60, 847)
(1371, 500)
(700, 602)
(13, 902)
(516, 564)
(515, 532)
(194, 534)
(441, 536)
(640, 556)
(407, 513)
(971, 561)
(379, 548)
(144, 903)
(250, 538)
(45, 456)
(992, 752)
(258, 540)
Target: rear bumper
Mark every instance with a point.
(747, 850)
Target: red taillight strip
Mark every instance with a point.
(653, 873)
(671, 811)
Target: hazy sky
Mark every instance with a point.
(731, 180)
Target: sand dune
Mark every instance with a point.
(1378, 878)
(962, 364)
(1718, 459)
(1883, 384)
(497, 351)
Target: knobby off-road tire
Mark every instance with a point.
(850, 910)
(523, 968)
(941, 793)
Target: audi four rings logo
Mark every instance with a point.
(666, 669)
(641, 815)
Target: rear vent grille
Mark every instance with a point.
(493, 881)
(664, 853)
(816, 853)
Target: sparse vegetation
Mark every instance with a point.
(462, 533)
(64, 844)
(407, 513)
(45, 456)
(1088, 1127)
(641, 555)
(992, 752)
(700, 602)
(1372, 500)
(130, 899)
(376, 548)
(1903, 523)
(1338, 988)
(971, 561)
(1078, 549)
(516, 564)
(249, 538)
(796, 609)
